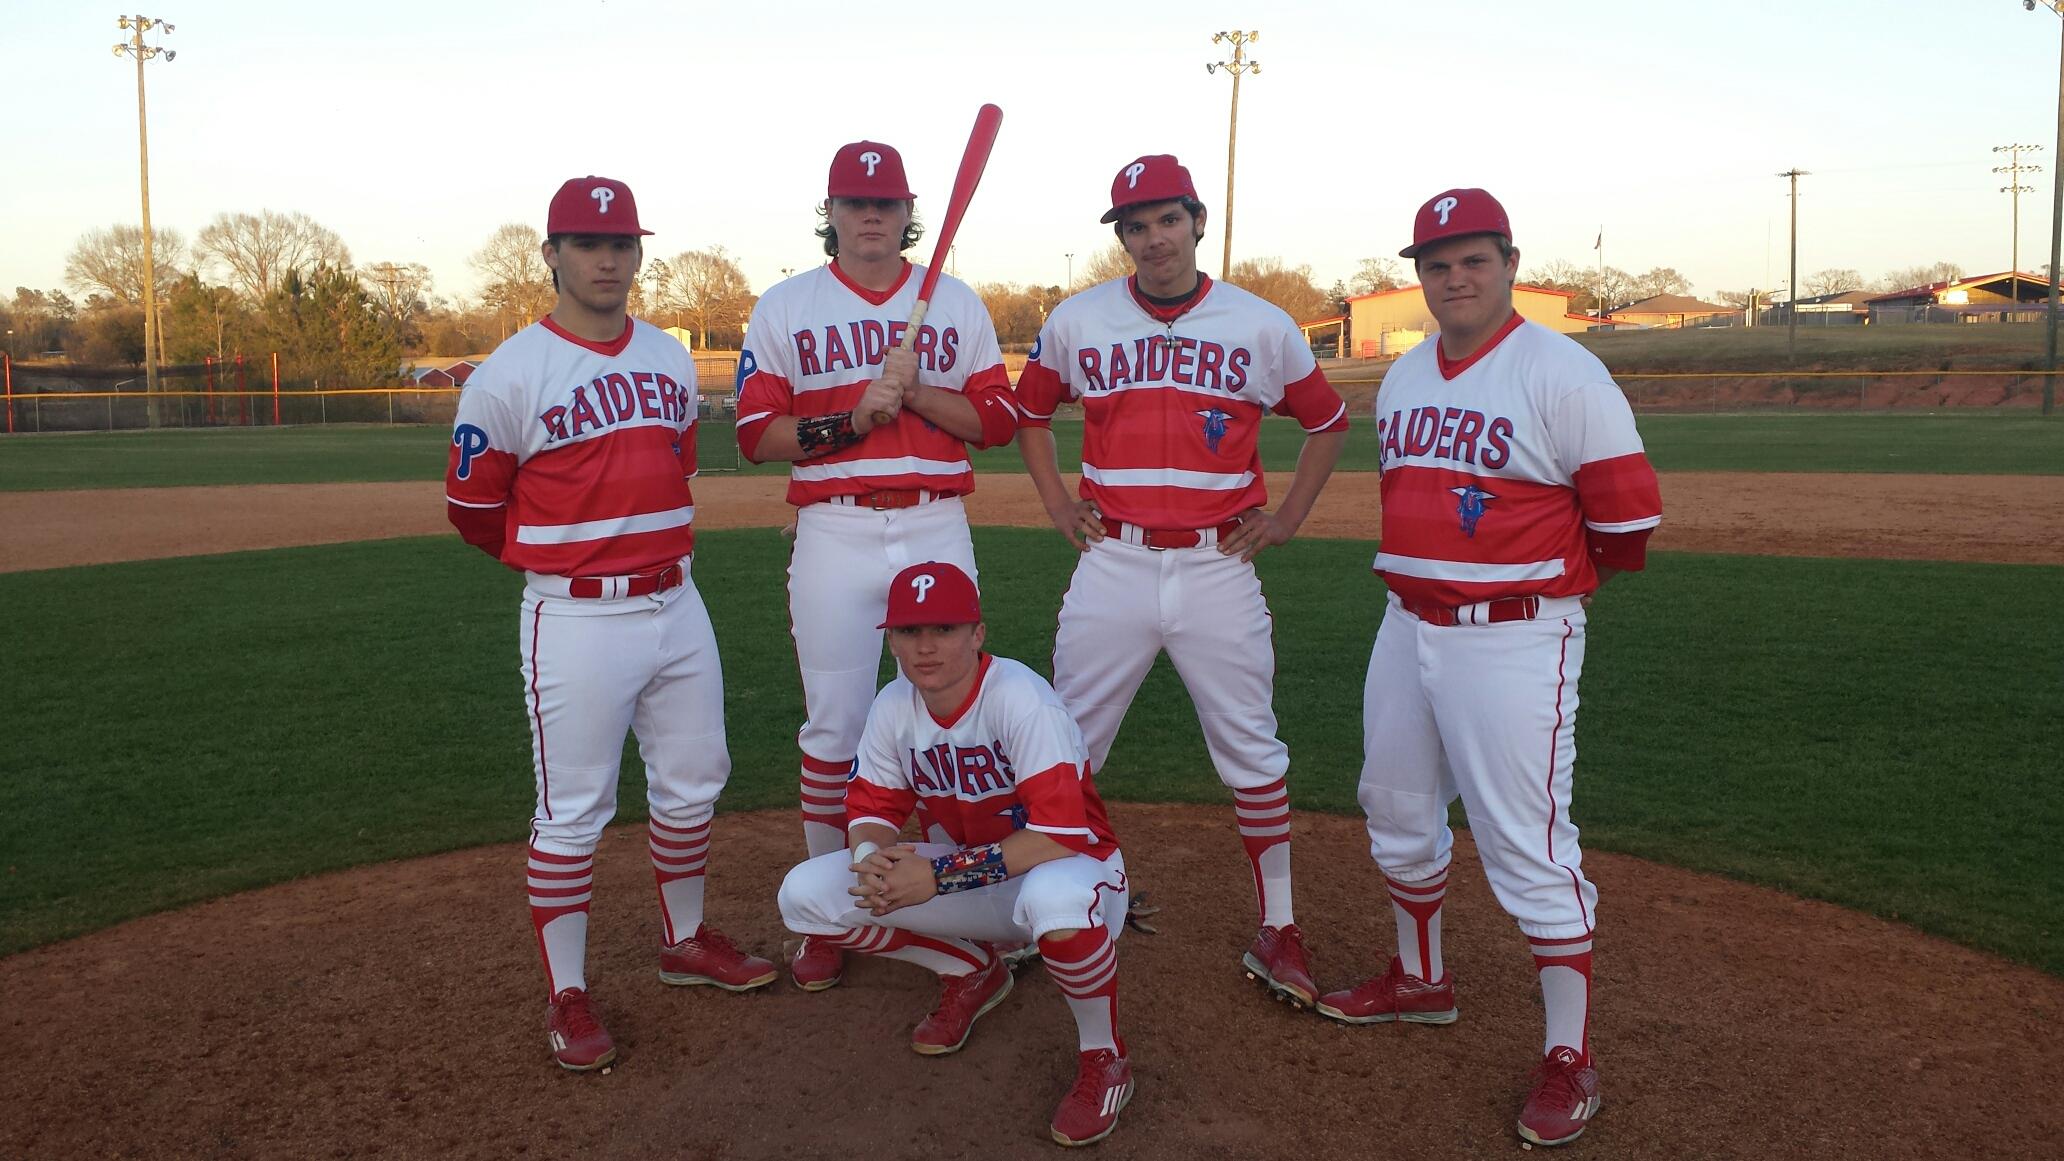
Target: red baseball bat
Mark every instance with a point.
(973, 160)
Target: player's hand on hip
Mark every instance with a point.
(1258, 529)
(1079, 521)
(878, 404)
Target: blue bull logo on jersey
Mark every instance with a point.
(969, 773)
(1214, 426)
(470, 441)
(1471, 507)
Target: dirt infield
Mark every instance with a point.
(2017, 519)
(397, 1010)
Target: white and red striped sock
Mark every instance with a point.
(1264, 817)
(1085, 965)
(560, 888)
(824, 804)
(679, 856)
(942, 955)
(1565, 968)
(1417, 909)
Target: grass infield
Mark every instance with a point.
(181, 729)
(1981, 443)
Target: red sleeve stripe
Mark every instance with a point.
(1338, 419)
(1624, 525)
(587, 530)
(1467, 571)
(1165, 478)
(898, 466)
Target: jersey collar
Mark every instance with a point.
(1168, 314)
(974, 691)
(1451, 368)
(612, 348)
(873, 297)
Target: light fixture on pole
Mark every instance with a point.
(1236, 66)
(2014, 169)
(2049, 393)
(136, 26)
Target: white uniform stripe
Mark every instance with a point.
(878, 821)
(1463, 570)
(1081, 830)
(1076, 972)
(1624, 525)
(1330, 420)
(450, 499)
(561, 900)
(586, 530)
(1262, 813)
(754, 417)
(1166, 478)
(892, 466)
(1557, 949)
(1264, 831)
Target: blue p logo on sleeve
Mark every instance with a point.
(470, 441)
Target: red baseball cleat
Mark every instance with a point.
(709, 957)
(1393, 996)
(962, 1001)
(1563, 1100)
(1103, 1087)
(1279, 961)
(579, 1043)
(817, 965)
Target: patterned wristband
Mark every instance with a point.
(969, 868)
(826, 434)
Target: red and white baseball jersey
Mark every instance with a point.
(573, 457)
(1510, 472)
(817, 340)
(1172, 397)
(1010, 758)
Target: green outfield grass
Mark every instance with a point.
(1978, 442)
(184, 728)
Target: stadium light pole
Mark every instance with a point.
(2049, 393)
(136, 26)
(2014, 169)
(1236, 66)
(1070, 284)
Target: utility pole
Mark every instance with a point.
(1236, 66)
(137, 26)
(2049, 395)
(1792, 300)
(2014, 169)
(1070, 284)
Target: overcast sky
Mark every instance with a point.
(415, 129)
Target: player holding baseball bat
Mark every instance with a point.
(874, 398)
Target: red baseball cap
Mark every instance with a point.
(932, 593)
(1157, 177)
(1454, 213)
(868, 169)
(593, 205)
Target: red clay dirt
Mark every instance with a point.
(396, 1009)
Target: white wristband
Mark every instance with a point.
(865, 849)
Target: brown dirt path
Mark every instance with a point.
(397, 1010)
(1980, 518)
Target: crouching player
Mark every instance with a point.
(989, 749)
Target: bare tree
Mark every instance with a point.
(1907, 277)
(1110, 262)
(709, 290)
(515, 282)
(1016, 311)
(1289, 287)
(400, 290)
(111, 260)
(1375, 274)
(254, 252)
(1659, 280)
(1832, 281)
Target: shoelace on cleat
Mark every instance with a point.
(578, 1019)
(1089, 1082)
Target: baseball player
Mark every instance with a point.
(1175, 372)
(986, 747)
(1514, 484)
(878, 435)
(570, 462)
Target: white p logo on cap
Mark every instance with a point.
(923, 583)
(1132, 174)
(871, 159)
(1444, 207)
(603, 195)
